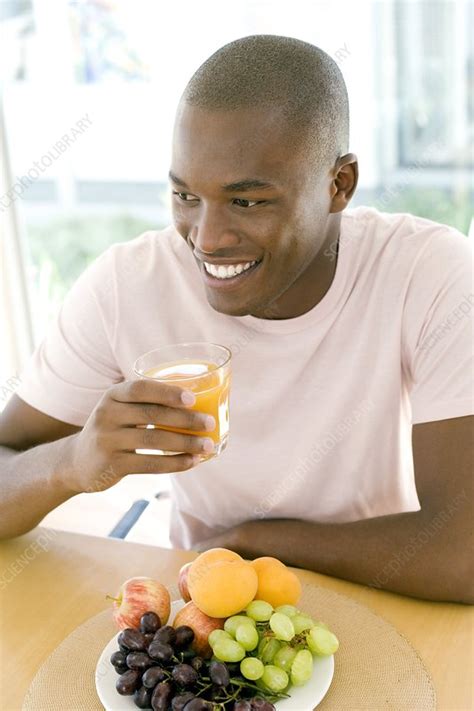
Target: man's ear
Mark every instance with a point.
(344, 182)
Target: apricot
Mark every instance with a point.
(265, 562)
(277, 584)
(204, 561)
(224, 588)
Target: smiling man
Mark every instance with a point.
(350, 448)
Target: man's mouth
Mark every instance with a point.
(222, 271)
(228, 275)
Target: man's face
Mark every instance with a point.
(244, 192)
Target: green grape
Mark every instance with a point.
(247, 636)
(302, 667)
(231, 623)
(302, 622)
(217, 634)
(288, 610)
(267, 648)
(321, 641)
(282, 626)
(259, 610)
(228, 650)
(251, 668)
(284, 657)
(274, 678)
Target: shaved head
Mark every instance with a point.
(282, 73)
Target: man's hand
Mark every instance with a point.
(104, 451)
(426, 553)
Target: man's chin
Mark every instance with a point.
(229, 309)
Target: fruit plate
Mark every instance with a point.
(303, 698)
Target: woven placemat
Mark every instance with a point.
(376, 668)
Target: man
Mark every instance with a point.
(349, 334)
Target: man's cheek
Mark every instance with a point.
(181, 225)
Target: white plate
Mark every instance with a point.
(303, 698)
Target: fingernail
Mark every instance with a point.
(188, 398)
(196, 459)
(209, 423)
(207, 445)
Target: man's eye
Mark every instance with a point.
(185, 197)
(241, 202)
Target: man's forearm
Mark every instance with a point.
(31, 485)
(419, 554)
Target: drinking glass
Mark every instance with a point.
(203, 368)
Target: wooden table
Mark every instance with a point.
(51, 582)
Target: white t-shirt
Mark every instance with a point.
(321, 405)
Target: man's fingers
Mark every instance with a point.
(131, 415)
(131, 438)
(157, 464)
(152, 391)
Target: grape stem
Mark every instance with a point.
(249, 685)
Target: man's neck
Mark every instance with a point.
(311, 286)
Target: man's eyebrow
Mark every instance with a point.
(177, 180)
(239, 186)
(242, 186)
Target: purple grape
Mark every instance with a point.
(242, 705)
(161, 652)
(142, 698)
(128, 682)
(153, 676)
(179, 702)
(118, 659)
(197, 704)
(184, 675)
(121, 670)
(131, 639)
(259, 704)
(184, 636)
(166, 635)
(219, 674)
(149, 622)
(161, 697)
(139, 661)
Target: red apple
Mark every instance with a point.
(202, 626)
(183, 582)
(137, 596)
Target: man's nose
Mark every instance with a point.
(212, 232)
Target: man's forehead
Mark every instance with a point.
(227, 147)
(238, 130)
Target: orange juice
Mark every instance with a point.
(210, 384)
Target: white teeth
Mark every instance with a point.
(227, 272)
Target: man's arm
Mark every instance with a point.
(31, 477)
(44, 461)
(426, 554)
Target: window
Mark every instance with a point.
(90, 91)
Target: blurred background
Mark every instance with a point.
(107, 75)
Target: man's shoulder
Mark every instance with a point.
(150, 253)
(150, 245)
(406, 235)
(136, 263)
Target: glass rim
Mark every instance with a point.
(187, 343)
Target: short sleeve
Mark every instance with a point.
(438, 330)
(73, 366)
